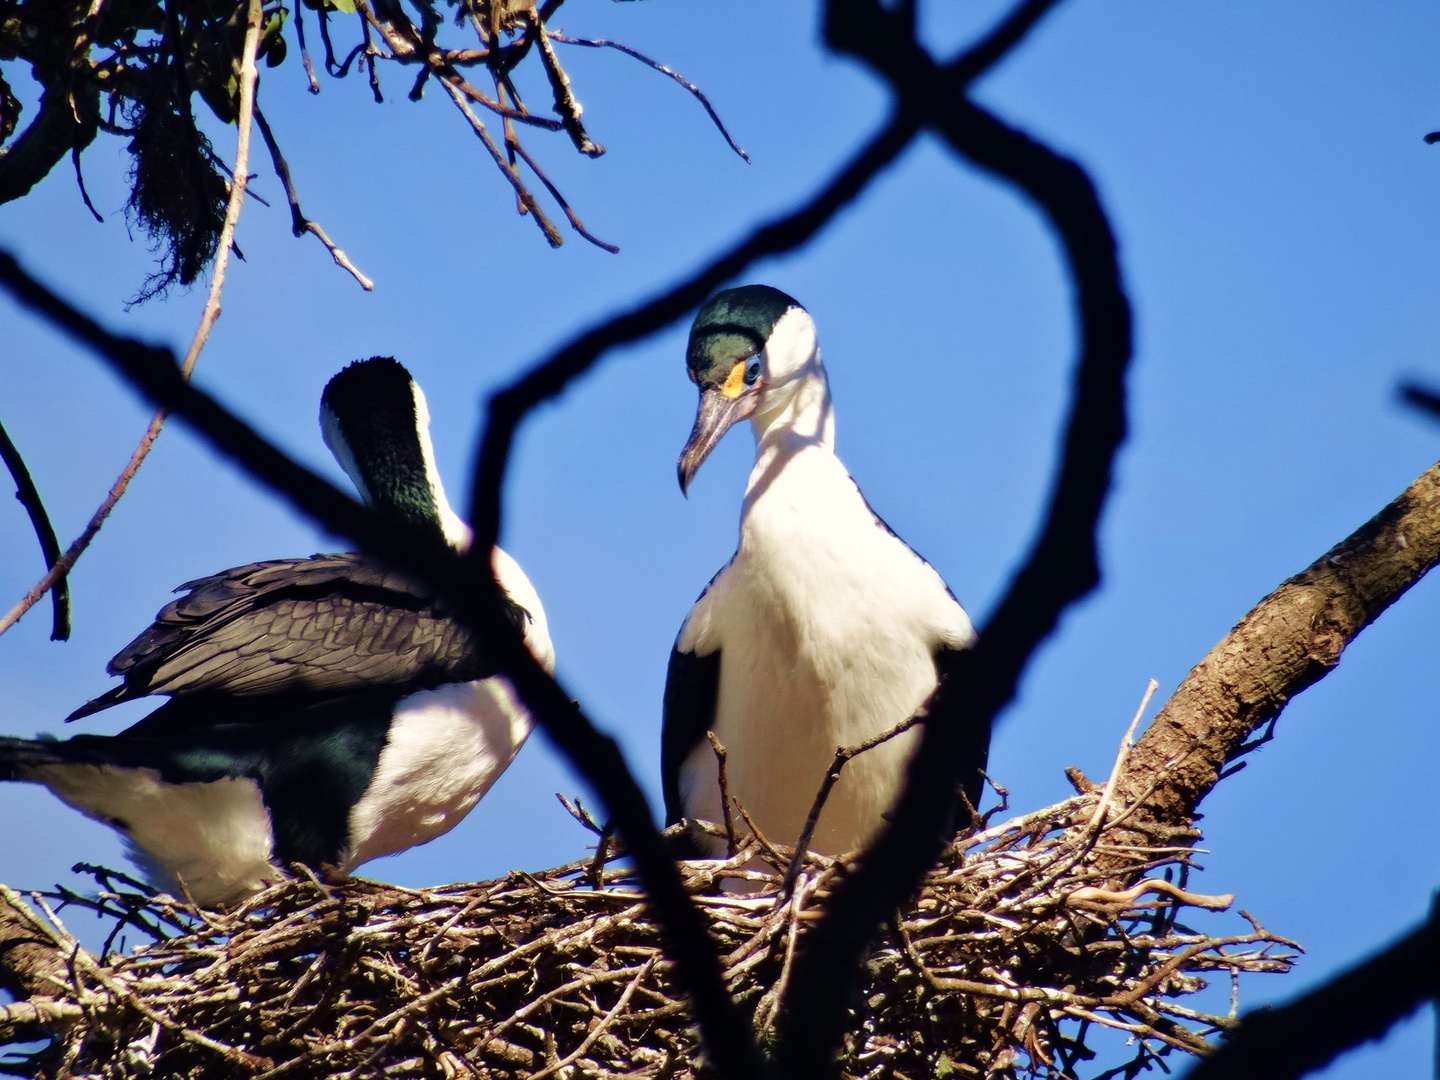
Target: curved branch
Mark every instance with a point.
(1354, 1007)
(1062, 566)
(29, 496)
(547, 380)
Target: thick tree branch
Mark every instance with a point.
(1291, 639)
(1354, 1007)
(54, 132)
(476, 599)
(69, 105)
(29, 497)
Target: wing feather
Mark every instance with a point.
(692, 686)
(329, 624)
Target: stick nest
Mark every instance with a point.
(1017, 952)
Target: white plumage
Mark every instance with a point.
(825, 623)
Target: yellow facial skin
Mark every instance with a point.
(734, 384)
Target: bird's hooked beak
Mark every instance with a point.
(715, 416)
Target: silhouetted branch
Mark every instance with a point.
(1356, 1006)
(29, 497)
(1422, 398)
(476, 599)
(1062, 565)
(509, 407)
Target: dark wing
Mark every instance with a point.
(973, 753)
(329, 624)
(692, 685)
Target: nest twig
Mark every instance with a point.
(1016, 951)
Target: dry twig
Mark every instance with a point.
(531, 974)
(239, 173)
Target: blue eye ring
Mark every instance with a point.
(752, 372)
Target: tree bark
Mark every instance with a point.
(1290, 640)
(70, 104)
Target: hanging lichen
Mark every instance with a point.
(177, 194)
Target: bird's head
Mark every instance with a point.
(375, 421)
(748, 348)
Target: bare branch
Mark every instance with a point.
(299, 223)
(843, 755)
(603, 43)
(552, 234)
(575, 222)
(565, 102)
(208, 315)
(29, 497)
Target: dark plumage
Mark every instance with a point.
(323, 711)
(327, 624)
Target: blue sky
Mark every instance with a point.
(1278, 216)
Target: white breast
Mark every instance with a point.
(213, 838)
(446, 747)
(827, 626)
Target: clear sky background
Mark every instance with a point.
(1278, 217)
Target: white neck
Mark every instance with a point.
(457, 533)
(805, 420)
(802, 414)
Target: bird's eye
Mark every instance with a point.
(752, 373)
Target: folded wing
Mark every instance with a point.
(327, 624)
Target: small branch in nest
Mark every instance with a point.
(1126, 743)
(776, 859)
(1091, 894)
(843, 755)
(577, 811)
(299, 223)
(723, 778)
